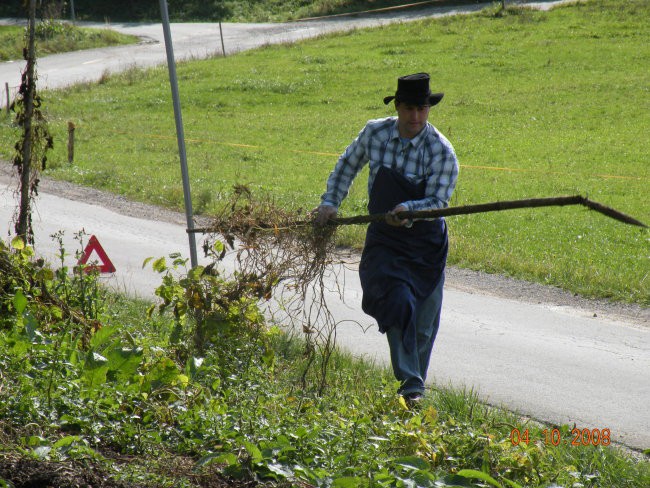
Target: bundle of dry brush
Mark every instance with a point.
(288, 260)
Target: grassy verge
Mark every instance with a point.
(537, 104)
(54, 37)
(99, 383)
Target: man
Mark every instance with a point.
(412, 167)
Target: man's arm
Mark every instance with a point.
(346, 169)
(340, 179)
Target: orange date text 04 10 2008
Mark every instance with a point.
(579, 437)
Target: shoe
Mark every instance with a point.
(413, 399)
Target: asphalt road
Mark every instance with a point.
(553, 363)
(198, 40)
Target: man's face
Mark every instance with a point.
(411, 119)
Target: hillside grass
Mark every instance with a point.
(537, 104)
(57, 37)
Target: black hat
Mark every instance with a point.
(415, 89)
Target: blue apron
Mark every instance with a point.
(399, 265)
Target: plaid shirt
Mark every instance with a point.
(427, 157)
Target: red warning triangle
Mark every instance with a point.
(95, 246)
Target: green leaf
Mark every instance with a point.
(56, 312)
(412, 462)
(511, 483)
(96, 360)
(45, 274)
(27, 252)
(253, 451)
(453, 481)
(17, 243)
(95, 370)
(182, 380)
(124, 362)
(163, 373)
(349, 482)
(19, 301)
(474, 474)
(101, 337)
(160, 265)
(146, 261)
(66, 441)
(268, 358)
(195, 273)
(280, 470)
(42, 452)
(195, 364)
(228, 459)
(33, 440)
(31, 327)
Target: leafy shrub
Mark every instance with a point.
(49, 29)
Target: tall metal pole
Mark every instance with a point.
(72, 16)
(180, 132)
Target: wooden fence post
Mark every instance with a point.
(223, 47)
(71, 128)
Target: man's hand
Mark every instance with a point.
(322, 214)
(392, 219)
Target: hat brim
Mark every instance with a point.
(434, 99)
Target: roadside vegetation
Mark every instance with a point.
(101, 390)
(217, 10)
(56, 37)
(537, 104)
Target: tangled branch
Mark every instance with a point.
(288, 259)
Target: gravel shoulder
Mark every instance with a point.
(466, 280)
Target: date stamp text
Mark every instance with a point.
(554, 437)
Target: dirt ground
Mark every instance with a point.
(31, 473)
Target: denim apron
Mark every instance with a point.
(399, 265)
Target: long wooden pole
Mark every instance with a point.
(495, 207)
(473, 209)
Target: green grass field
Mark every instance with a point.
(537, 104)
(55, 37)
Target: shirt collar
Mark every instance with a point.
(417, 140)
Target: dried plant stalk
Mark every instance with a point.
(288, 259)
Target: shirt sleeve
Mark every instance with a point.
(346, 169)
(440, 184)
